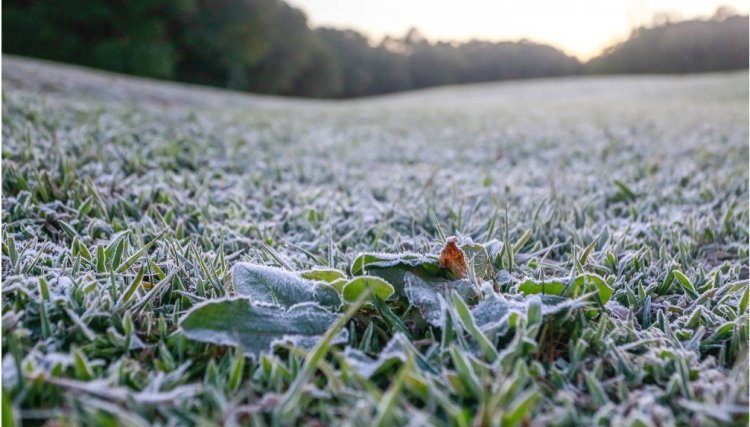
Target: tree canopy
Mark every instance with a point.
(716, 44)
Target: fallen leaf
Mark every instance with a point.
(453, 258)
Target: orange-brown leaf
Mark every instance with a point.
(453, 258)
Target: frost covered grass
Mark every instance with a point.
(624, 198)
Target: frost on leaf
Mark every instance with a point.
(453, 258)
(491, 313)
(553, 305)
(478, 257)
(280, 287)
(369, 260)
(393, 267)
(494, 314)
(256, 328)
(396, 350)
(425, 296)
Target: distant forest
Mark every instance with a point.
(267, 46)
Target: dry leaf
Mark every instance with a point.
(453, 258)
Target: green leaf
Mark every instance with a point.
(586, 252)
(596, 389)
(586, 282)
(9, 418)
(392, 318)
(467, 319)
(101, 259)
(551, 286)
(280, 287)
(256, 328)
(339, 285)
(470, 384)
(743, 301)
(603, 290)
(43, 289)
(82, 366)
(723, 332)
(235, 377)
(119, 249)
(125, 297)
(328, 275)
(355, 287)
(534, 310)
(521, 241)
(139, 253)
(625, 192)
(686, 284)
(521, 408)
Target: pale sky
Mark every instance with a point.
(578, 27)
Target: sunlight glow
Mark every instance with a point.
(578, 27)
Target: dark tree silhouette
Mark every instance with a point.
(716, 44)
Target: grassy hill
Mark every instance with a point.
(126, 204)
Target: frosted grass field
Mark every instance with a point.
(127, 203)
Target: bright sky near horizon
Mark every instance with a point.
(578, 27)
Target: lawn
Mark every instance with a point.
(182, 256)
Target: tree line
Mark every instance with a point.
(267, 46)
(717, 44)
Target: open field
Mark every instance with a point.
(125, 203)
